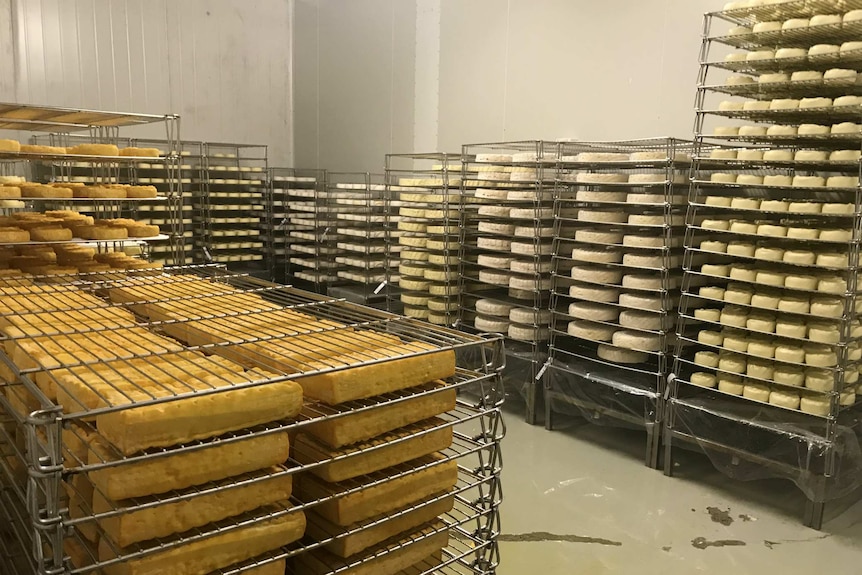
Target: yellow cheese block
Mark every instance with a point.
(185, 469)
(377, 529)
(171, 518)
(65, 322)
(386, 559)
(221, 549)
(402, 445)
(362, 425)
(382, 498)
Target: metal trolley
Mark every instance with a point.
(767, 362)
(47, 528)
(618, 246)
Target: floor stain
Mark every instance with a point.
(747, 518)
(702, 543)
(666, 548)
(544, 536)
(772, 544)
(720, 516)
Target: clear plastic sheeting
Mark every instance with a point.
(748, 441)
(522, 373)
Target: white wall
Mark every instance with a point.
(490, 70)
(223, 65)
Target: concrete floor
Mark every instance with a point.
(578, 500)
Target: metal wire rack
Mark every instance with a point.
(60, 404)
(767, 363)
(617, 268)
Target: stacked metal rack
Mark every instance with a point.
(296, 228)
(72, 479)
(230, 206)
(768, 358)
(505, 253)
(426, 193)
(618, 246)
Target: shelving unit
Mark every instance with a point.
(767, 362)
(49, 526)
(505, 255)
(230, 207)
(297, 224)
(617, 269)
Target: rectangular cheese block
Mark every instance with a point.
(221, 549)
(402, 554)
(396, 447)
(81, 494)
(179, 516)
(187, 468)
(392, 493)
(64, 322)
(362, 425)
(377, 529)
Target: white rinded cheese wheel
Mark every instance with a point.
(496, 228)
(709, 337)
(521, 294)
(743, 249)
(778, 155)
(770, 278)
(720, 225)
(833, 284)
(820, 356)
(597, 255)
(815, 405)
(532, 283)
(824, 50)
(745, 203)
(649, 178)
(803, 233)
(809, 181)
(412, 212)
(637, 340)
(616, 355)
(442, 260)
(827, 307)
(853, 15)
(532, 213)
(524, 333)
(492, 244)
(603, 216)
(842, 182)
(790, 328)
(761, 348)
(727, 106)
(734, 316)
(784, 104)
(810, 156)
(414, 285)
(412, 241)
(531, 267)
(794, 304)
(655, 220)
(416, 312)
(530, 316)
(832, 260)
(491, 324)
(596, 275)
(801, 257)
(760, 369)
(732, 362)
(410, 270)
(723, 178)
(598, 236)
(718, 270)
(788, 375)
(496, 211)
(493, 176)
(443, 290)
(497, 262)
(769, 26)
(594, 293)
(415, 299)
(824, 333)
(743, 227)
(752, 131)
(806, 76)
(769, 254)
(851, 377)
(721, 131)
(806, 207)
(601, 157)
(844, 74)
(815, 102)
(784, 399)
(743, 273)
(600, 178)
(774, 205)
(441, 318)
(593, 311)
(847, 101)
(442, 305)
(761, 322)
(493, 308)
(781, 130)
(718, 153)
(813, 130)
(773, 78)
(718, 201)
(749, 155)
(819, 379)
(765, 300)
(785, 53)
(712, 292)
(648, 260)
(702, 379)
(647, 199)
(643, 281)
(845, 155)
(490, 194)
(760, 55)
(838, 209)
(441, 245)
(847, 398)
(411, 227)
(749, 180)
(590, 330)
(530, 249)
(771, 230)
(756, 392)
(642, 241)
(854, 352)
(499, 278)
(707, 314)
(706, 359)
(440, 275)
(736, 343)
(730, 383)
(738, 294)
(600, 196)
(714, 246)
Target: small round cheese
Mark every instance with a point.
(721, 225)
(845, 156)
(778, 155)
(820, 356)
(789, 353)
(531, 283)
(732, 362)
(810, 156)
(790, 328)
(718, 201)
(743, 203)
(760, 55)
(801, 257)
(743, 227)
(832, 284)
(848, 101)
(847, 398)
(708, 337)
(842, 182)
(642, 241)
(720, 154)
(780, 130)
(756, 105)
(642, 281)
(637, 319)
(594, 293)
(793, 23)
(617, 355)
(529, 248)
(809, 181)
(604, 216)
(770, 278)
(598, 236)
(496, 228)
(764, 300)
(805, 208)
(590, 330)
(740, 249)
(806, 76)
(738, 294)
(850, 47)
(739, 31)
(712, 292)
(493, 308)
(761, 348)
(718, 270)
(730, 383)
(760, 322)
(815, 102)
(819, 379)
(760, 369)
(769, 253)
(593, 311)
(597, 255)
(723, 178)
(522, 333)
(600, 196)
(706, 359)
(749, 180)
(752, 131)
(734, 316)
(713, 246)
(813, 130)
(794, 304)
(824, 333)
(531, 266)
(824, 50)
(815, 405)
(743, 273)
(832, 260)
(496, 262)
(846, 128)
(784, 399)
(491, 324)
(601, 178)
(736, 342)
(787, 53)
(771, 230)
(707, 314)
(641, 301)
(702, 379)
(787, 375)
(784, 104)
(530, 316)
(803, 233)
(773, 78)
(637, 340)
(827, 307)
(495, 277)
(491, 244)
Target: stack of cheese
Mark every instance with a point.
(181, 507)
(391, 448)
(624, 252)
(513, 246)
(66, 226)
(78, 150)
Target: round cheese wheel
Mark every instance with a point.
(787, 375)
(709, 337)
(598, 236)
(712, 292)
(810, 156)
(718, 153)
(760, 369)
(594, 293)
(644, 281)
(819, 379)
(603, 216)
(781, 130)
(752, 131)
(600, 196)
(842, 182)
(809, 181)
(732, 362)
(801, 257)
(851, 377)
(773, 78)
(833, 284)
(845, 155)
(596, 275)
(815, 405)
(411, 270)
(749, 180)
(743, 227)
(643, 241)
(648, 261)
(832, 260)
(847, 398)
(707, 314)
(416, 312)
(491, 324)
(838, 209)
(441, 275)
(736, 343)
(847, 101)
(702, 379)
(414, 285)
(718, 201)
(806, 76)
(723, 178)
(495, 277)
(790, 328)
(531, 249)
(496, 228)
(827, 307)
(740, 249)
(815, 102)
(617, 355)
(706, 359)
(760, 55)
(600, 178)
(597, 255)
(774, 231)
(745, 203)
(713, 246)
(770, 278)
(785, 53)
(721, 131)
(415, 256)
(637, 340)
(743, 273)
(590, 330)
(784, 399)
(738, 294)
(412, 241)
(531, 267)
(411, 227)
(494, 308)
(820, 356)
(813, 130)
(761, 322)
(730, 383)
(777, 180)
(762, 348)
(840, 74)
(496, 262)
(641, 301)
(756, 392)
(842, 236)
(593, 311)
(769, 26)
(734, 316)
(827, 333)
(525, 333)
(645, 320)
(491, 244)
(765, 300)
(720, 225)
(530, 316)
(803, 233)
(778, 155)
(784, 104)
